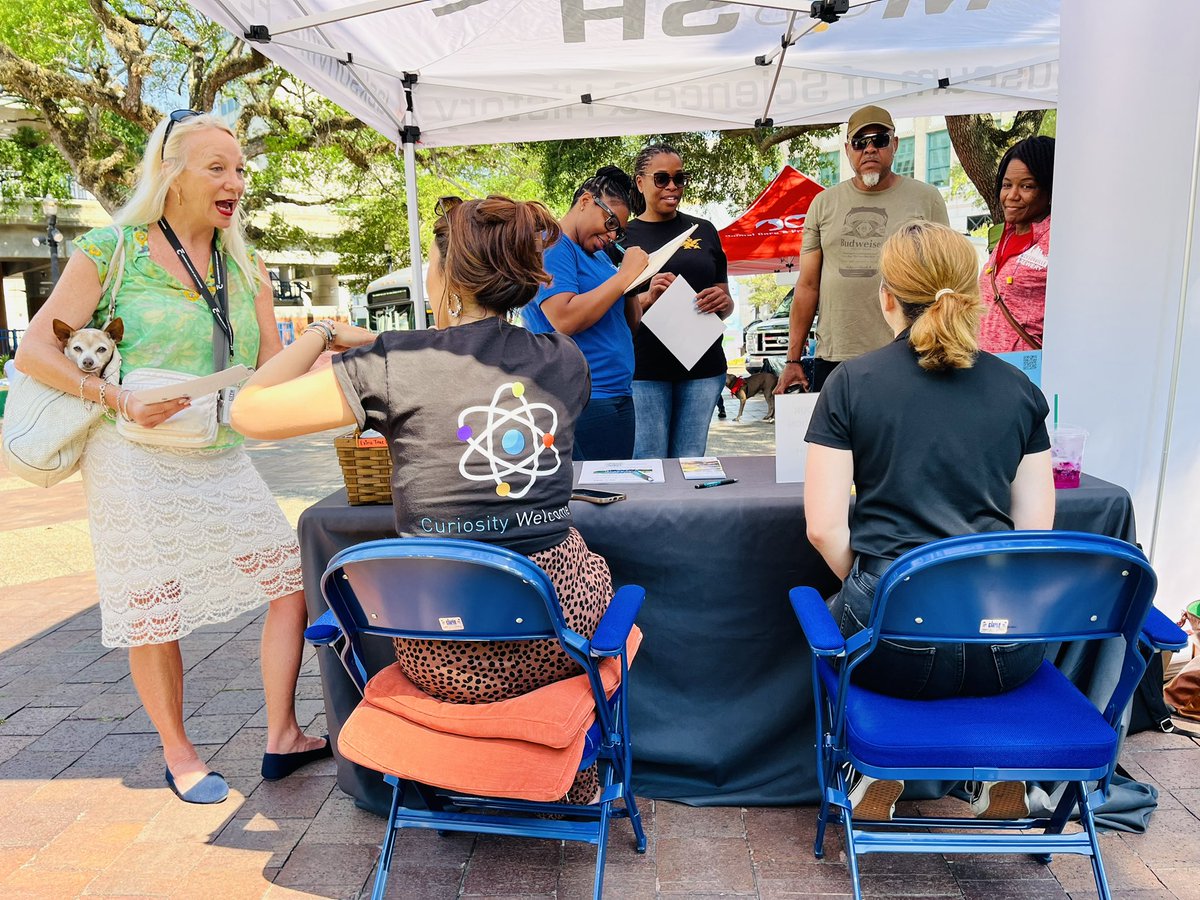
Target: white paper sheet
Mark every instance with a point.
(659, 258)
(197, 387)
(675, 321)
(792, 415)
(622, 471)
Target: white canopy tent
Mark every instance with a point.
(453, 72)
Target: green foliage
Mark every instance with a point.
(765, 294)
(730, 168)
(31, 167)
(1049, 125)
(50, 32)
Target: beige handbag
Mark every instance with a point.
(194, 427)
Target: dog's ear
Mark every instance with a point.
(115, 330)
(62, 330)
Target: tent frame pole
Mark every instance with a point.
(1180, 322)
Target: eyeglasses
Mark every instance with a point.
(612, 223)
(445, 204)
(176, 117)
(662, 179)
(879, 140)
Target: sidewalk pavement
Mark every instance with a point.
(84, 811)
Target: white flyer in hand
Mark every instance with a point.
(683, 330)
(195, 387)
(659, 258)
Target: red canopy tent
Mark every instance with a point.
(767, 236)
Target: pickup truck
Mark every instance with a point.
(766, 340)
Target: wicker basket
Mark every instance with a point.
(366, 467)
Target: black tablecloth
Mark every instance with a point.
(720, 696)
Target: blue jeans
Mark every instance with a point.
(673, 416)
(928, 672)
(604, 430)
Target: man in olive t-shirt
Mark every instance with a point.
(844, 232)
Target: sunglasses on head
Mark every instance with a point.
(445, 204)
(878, 140)
(175, 118)
(662, 179)
(612, 223)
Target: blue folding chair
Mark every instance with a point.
(1026, 587)
(436, 589)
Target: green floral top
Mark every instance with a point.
(167, 324)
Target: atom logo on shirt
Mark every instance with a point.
(512, 437)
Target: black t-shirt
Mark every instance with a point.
(480, 421)
(935, 454)
(702, 262)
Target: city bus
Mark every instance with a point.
(389, 303)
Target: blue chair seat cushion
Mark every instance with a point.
(1004, 731)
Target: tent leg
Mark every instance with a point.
(414, 232)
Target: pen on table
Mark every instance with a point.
(707, 484)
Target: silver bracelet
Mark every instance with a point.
(325, 328)
(82, 385)
(123, 404)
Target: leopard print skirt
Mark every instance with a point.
(466, 672)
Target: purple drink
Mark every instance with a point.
(1066, 474)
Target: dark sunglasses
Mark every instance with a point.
(878, 141)
(612, 223)
(176, 117)
(662, 179)
(445, 204)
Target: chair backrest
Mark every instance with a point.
(433, 588)
(448, 590)
(1004, 587)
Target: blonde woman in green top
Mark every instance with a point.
(182, 538)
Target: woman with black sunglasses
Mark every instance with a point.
(586, 300)
(674, 405)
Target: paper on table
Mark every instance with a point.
(659, 258)
(792, 415)
(196, 387)
(683, 330)
(622, 471)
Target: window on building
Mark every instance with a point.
(903, 163)
(830, 168)
(937, 158)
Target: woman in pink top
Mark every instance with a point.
(1013, 282)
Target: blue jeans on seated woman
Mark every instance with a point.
(673, 416)
(604, 430)
(931, 671)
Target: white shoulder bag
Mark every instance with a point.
(45, 429)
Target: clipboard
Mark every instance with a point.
(194, 387)
(659, 258)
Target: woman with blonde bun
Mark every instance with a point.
(938, 439)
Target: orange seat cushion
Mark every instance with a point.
(552, 715)
(528, 747)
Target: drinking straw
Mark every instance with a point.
(1056, 412)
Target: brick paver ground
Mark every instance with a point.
(84, 811)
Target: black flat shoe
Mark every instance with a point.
(281, 765)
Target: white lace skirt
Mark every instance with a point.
(182, 538)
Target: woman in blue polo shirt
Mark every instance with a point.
(587, 301)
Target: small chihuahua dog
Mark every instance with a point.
(91, 349)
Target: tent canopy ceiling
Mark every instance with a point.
(494, 71)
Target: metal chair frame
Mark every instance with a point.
(442, 589)
(1019, 587)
